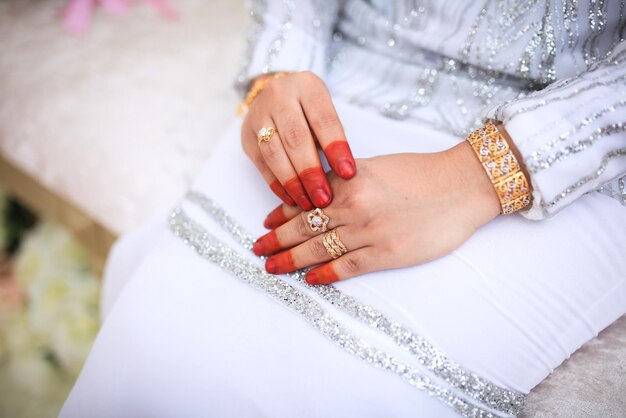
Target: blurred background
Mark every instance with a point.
(107, 111)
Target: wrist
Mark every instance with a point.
(482, 199)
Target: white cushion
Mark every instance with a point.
(120, 121)
(140, 101)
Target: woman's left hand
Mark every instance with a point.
(399, 210)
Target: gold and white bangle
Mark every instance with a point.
(256, 88)
(504, 171)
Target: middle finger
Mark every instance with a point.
(295, 231)
(277, 160)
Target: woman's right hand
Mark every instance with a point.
(299, 107)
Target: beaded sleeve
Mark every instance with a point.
(287, 35)
(572, 134)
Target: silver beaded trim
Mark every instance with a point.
(536, 164)
(615, 189)
(433, 359)
(210, 248)
(535, 155)
(620, 152)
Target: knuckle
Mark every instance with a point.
(354, 200)
(318, 251)
(302, 225)
(295, 136)
(271, 88)
(352, 265)
(326, 119)
(309, 77)
(270, 152)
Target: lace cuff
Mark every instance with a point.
(572, 134)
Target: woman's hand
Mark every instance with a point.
(299, 107)
(401, 210)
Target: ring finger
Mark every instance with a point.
(277, 160)
(314, 251)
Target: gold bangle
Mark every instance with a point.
(256, 89)
(504, 171)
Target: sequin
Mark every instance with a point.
(210, 248)
(620, 152)
(426, 353)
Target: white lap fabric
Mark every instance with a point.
(183, 338)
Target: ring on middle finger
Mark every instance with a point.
(318, 221)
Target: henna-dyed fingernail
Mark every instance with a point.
(295, 189)
(275, 218)
(258, 247)
(340, 158)
(312, 278)
(280, 263)
(279, 191)
(306, 205)
(267, 244)
(320, 198)
(270, 265)
(314, 181)
(346, 169)
(324, 274)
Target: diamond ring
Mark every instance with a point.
(265, 133)
(318, 221)
(334, 247)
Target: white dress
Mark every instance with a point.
(193, 327)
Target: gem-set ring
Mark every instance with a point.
(334, 247)
(265, 133)
(318, 221)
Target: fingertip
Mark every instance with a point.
(312, 278)
(306, 204)
(316, 184)
(257, 248)
(321, 275)
(270, 265)
(282, 194)
(321, 198)
(340, 158)
(267, 244)
(346, 169)
(275, 218)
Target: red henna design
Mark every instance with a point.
(282, 194)
(275, 219)
(340, 158)
(295, 189)
(315, 183)
(324, 274)
(280, 263)
(267, 244)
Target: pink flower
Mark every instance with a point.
(77, 13)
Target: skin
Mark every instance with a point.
(400, 210)
(299, 106)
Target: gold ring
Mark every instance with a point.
(318, 221)
(334, 247)
(265, 133)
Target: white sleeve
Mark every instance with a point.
(288, 35)
(572, 134)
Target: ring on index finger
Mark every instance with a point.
(318, 221)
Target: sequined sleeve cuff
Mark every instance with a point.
(572, 134)
(287, 36)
